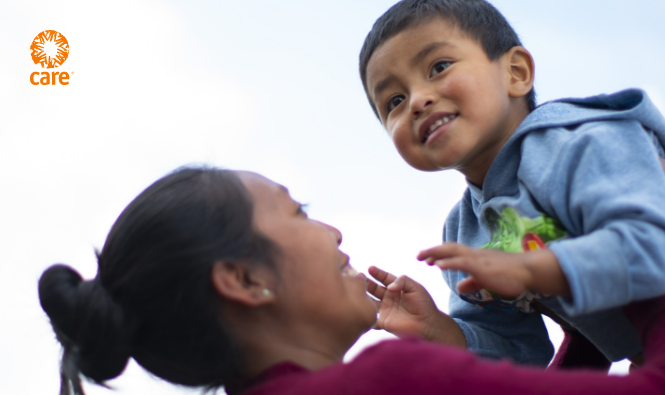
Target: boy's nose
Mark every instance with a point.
(420, 102)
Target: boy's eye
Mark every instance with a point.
(439, 68)
(393, 102)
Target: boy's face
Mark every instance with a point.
(441, 99)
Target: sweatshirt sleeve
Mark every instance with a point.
(494, 334)
(604, 182)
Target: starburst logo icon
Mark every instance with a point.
(49, 49)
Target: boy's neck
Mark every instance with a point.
(477, 168)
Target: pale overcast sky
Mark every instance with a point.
(268, 86)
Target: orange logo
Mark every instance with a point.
(50, 49)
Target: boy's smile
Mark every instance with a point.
(444, 103)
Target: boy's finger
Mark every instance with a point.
(468, 286)
(445, 250)
(457, 263)
(471, 285)
(382, 276)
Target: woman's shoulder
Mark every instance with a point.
(410, 350)
(392, 366)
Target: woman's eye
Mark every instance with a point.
(439, 68)
(302, 209)
(393, 102)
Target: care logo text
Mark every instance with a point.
(50, 50)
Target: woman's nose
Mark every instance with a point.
(335, 233)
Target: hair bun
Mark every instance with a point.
(94, 331)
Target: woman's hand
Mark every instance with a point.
(507, 273)
(406, 308)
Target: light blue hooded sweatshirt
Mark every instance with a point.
(581, 177)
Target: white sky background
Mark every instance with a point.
(266, 86)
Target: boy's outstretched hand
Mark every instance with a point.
(507, 273)
(406, 308)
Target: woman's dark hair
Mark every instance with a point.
(478, 19)
(153, 298)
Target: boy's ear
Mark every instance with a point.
(243, 284)
(521, 71)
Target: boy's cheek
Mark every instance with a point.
(401, 142)
(413, 155)
(407, 147)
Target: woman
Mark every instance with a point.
(215, 278)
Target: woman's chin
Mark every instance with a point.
(370, 314)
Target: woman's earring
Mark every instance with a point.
(266, 292)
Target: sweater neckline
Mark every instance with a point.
(279, 370)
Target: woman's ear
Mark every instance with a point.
(241, 284)
(522, 71)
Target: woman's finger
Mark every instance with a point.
(379, 323)
(405, 284)
(375, 289)
(382, 276)
(377, 304)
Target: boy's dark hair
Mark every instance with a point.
(153, 299)
(478, 19)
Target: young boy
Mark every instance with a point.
(565, 199)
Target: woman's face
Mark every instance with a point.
(317, 289)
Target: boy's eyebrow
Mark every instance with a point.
(383, 84)
(429, 48)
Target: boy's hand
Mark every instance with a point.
(406, 308)
(507, 273)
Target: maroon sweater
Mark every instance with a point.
(416, 367)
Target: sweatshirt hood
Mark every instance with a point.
(630, 104)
